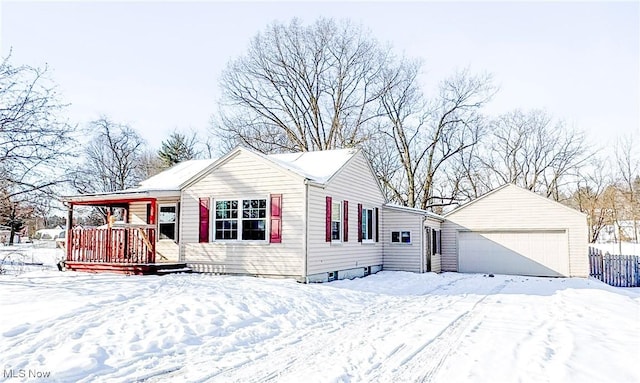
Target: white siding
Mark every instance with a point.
(514, 209)
(245, 175)
(138, 212)
(401, 256)
(166, 250)
(356, 184)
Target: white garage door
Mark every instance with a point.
(519, 253)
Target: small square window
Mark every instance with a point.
(401, 237)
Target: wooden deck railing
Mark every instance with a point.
(130, 244)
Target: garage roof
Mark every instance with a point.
(506, 186)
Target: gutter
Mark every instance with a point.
(119, 195)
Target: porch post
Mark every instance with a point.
(152, 212)
(109, 244)
(152, 221)
(68, 241)
(126, 251)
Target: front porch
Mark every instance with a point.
(118, 247)
(129, 268)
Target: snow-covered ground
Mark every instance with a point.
(388, 327)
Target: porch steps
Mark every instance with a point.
(128, 268)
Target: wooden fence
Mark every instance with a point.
(615, 270)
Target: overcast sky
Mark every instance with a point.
(156, 66)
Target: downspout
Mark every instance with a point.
(305, 277)
(423, 254)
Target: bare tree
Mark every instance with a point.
(35, 140)
(593, 196)
(627, 157)
(112, 159)
(466, 175)
(150, 163)
(530, 149)
(420, 137)
(302, 88)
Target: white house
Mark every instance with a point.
(313, 216)
(317, 216)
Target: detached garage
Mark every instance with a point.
(511, 230)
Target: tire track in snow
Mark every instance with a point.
(427, 359)
(289, 353)
(285, 351)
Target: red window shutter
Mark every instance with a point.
(328, 221)
(204, 220)
(345, 222)
(276, 218)
(359, 222)
(375, 216)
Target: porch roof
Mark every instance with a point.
(176, 176)
(167, 183)
(123, 196)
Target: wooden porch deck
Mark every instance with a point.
(162, 268)
(128, 249)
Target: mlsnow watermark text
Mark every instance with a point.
(26, 373)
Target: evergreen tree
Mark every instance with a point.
(177, 148)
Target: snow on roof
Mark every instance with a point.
(174, 177)
(414, 210)
(317, 166)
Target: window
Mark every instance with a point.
(435, 241)
(167, 222)
(226, 219)
(336, 221)
(252, 225)
(254, 219)
(401, 237)
(367, 225)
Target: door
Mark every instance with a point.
(426, 239)
(537, 253)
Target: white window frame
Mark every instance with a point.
(215, 220)
(400, 237)
(340, 220)
(373, 225)
(240, 201)
(175, 222)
